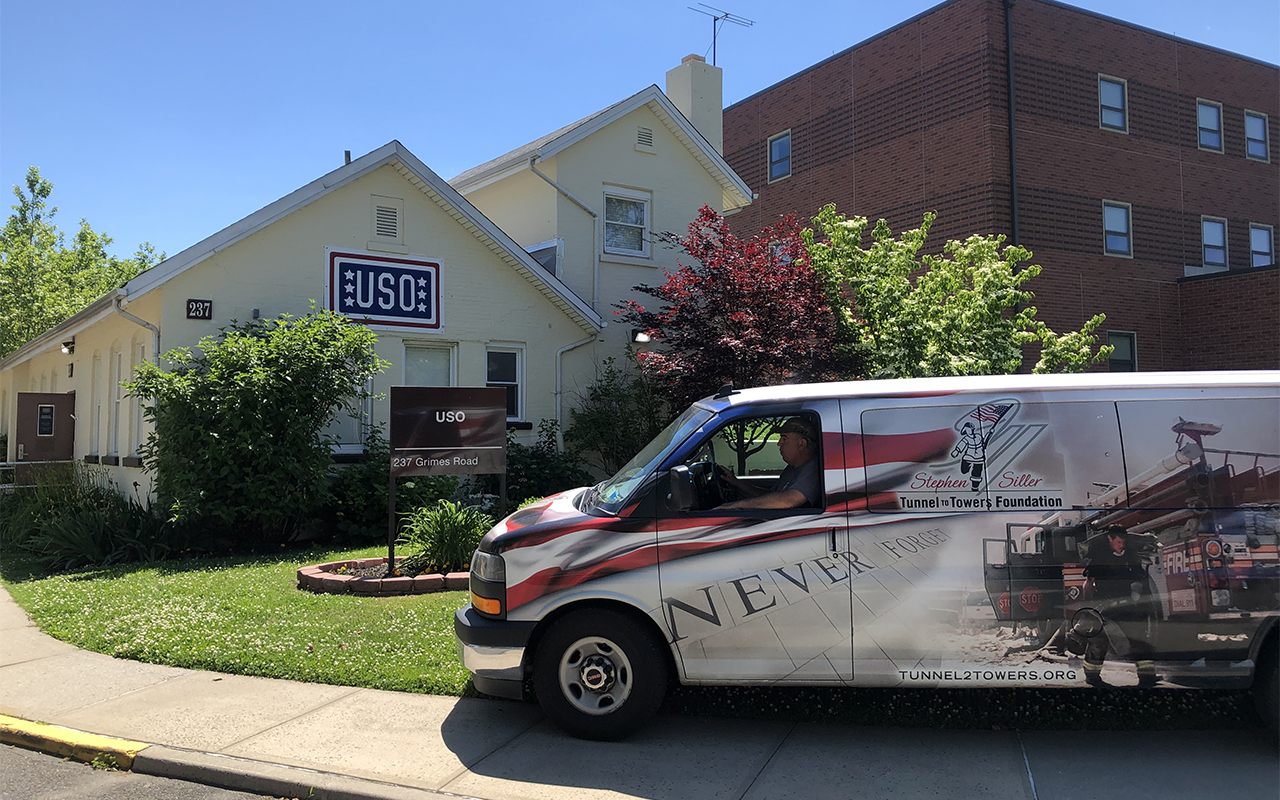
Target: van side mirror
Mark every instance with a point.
(680, 495)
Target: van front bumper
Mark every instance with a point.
(492, 650)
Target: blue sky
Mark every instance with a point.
(167, 121)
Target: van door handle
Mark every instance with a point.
(831, 541)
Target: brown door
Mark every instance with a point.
(46, 426)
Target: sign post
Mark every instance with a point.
(439, 430)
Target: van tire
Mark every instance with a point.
(614, 654)
(1266, 683)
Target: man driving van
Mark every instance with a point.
(799, 485)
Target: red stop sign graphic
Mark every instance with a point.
(1003, 602)
(1030, 598)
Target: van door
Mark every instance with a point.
(757, 594)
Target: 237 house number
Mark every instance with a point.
(199, 309)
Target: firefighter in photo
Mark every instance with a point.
(1118, 587)
(972, 449)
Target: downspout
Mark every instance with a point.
(155, 331)
(560, 383)
(1013, 133)
(595, 245)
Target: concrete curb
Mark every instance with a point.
(67, 742)
(276, 780)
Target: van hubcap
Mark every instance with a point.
(595, 675)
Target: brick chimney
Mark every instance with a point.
(697, 89)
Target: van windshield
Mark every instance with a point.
(612, 494)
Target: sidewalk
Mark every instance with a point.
(284, 738)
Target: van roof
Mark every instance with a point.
(929, 387)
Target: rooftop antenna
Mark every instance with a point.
(718, 18)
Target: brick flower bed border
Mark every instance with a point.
(325, 578)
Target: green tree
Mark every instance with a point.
(617, 415)
(42, 279)
(238, 447)
(964, 312)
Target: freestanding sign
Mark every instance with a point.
(437, 430)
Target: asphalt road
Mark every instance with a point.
(28, 775)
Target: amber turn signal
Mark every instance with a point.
(486, 605)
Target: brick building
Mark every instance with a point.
(1146, 168)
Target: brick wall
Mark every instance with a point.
(1232, 320)
(916, 119)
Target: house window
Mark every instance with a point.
(779, 156)
(1255, 136)
(1124, 358)
(1209, 122)
(1213, 239)
(626, 223)
(428, 366)
(504, 371)
(139, 358)
(117, 399)
(1117, 230)
(95, 425)
(549, 254)
(1112, 104)
(1261, 253)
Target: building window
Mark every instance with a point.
(139, 358)
(1255, 136)
(428, 366)
(1117, 229)
(1209, 122)
(117, 399)
(1124, 358)
(1261, 253)
(95, 424)
(549, 254)
(626, 223)
(1213, 240)
(504, 371)
(1112, 104)
(779, 156)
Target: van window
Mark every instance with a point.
(1201, 453)
(750, 449)
(998, 454)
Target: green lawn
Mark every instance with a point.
(244, 615)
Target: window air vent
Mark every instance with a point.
(386, 222)
(644, 137)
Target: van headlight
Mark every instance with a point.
(489, 567)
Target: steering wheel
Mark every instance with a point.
(706, 480)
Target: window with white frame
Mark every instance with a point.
(626, 222)
(1255, 136)
(1113, 107)
(1124, 356)
(428, 365)
(117, 398)
(95, 424)
(779, 156)
(139, 358)
(1117, 229)
(1213, 242)
(1261, 252)
(549, 254)
(505, 370)
(1209, 125)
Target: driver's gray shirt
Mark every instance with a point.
(803, 479)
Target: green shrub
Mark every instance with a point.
(239, 448)
(617, 415)
(538, 470)
(442, 537)
(357, 507)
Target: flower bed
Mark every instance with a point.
(332, 578)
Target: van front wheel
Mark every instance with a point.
(599, 674)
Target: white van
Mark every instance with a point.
(1131, 520)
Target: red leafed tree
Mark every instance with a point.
(750, 312)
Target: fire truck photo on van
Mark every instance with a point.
(1122, 528)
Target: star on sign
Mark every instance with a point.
(422, 281)
(350, 274)
(422, 294)
(350, 287)
(422, 308)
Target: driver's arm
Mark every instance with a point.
(743, 488)
(789, 498)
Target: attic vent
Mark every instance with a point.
(644, 140)
(386, 222)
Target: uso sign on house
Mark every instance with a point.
(397, 291)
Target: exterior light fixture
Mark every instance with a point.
(69, 346)
(640, 337)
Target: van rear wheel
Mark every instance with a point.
(599, 674)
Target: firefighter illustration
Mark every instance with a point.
(975, 433)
